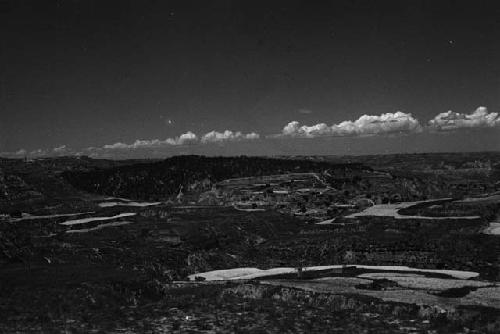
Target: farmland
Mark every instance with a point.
(93, 250)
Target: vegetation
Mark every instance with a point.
(127, 276)
(160, 180)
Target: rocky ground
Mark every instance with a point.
(75, 265)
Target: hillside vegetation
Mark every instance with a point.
(159, 180)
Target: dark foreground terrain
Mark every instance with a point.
(81, 251)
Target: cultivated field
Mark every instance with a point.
(249, 255)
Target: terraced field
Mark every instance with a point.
(106, 263)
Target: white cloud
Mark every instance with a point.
(228, 135)
(184, 139)
(116, 146)
(479, 118)
(38, 153)
(22, 153)
(388, 123)
(252, 136)
(60, 149)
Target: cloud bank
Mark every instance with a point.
(186, 139)
(60, 149)
(366, 125)
(479, 118)
(228, 135)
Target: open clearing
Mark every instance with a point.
(494, 229)
(483, 296)
(135, 204)
(252, 273)
(494, 198)
(27, 216)
(425, 283)
(392, 210)
(99, 227)
(92, 219)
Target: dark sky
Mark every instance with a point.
(92, 73)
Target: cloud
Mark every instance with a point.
(116, 146)
(24, 153)
(479, 118)
(60, 149)
(228, 135)
(38, 152)
(366, 125)
(184, 139)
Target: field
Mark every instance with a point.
(108, 262)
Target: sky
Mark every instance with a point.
(128, 79)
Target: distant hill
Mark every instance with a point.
(51, 181)
(32, 185)
(166, 178)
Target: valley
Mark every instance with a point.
(350, 242)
